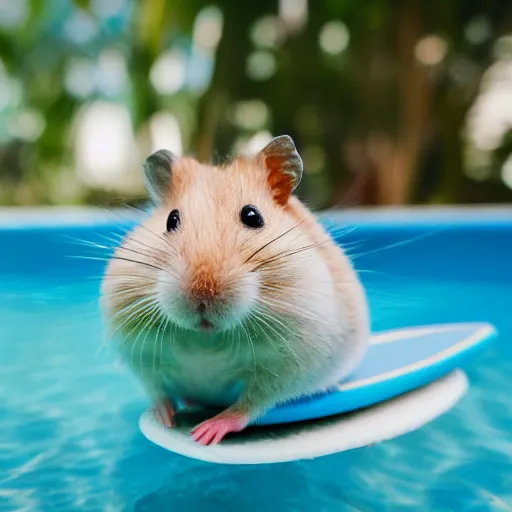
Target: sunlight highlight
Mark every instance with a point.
(165, 133)
(104, 144)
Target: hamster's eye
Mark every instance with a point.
(251, 217)
(173, 221)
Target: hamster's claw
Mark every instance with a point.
(165, 413)
(212, 431)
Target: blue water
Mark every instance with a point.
(69, 438)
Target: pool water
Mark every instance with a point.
(69, 437)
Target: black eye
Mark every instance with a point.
(173, 221)
(251, 217)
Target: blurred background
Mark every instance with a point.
(389, 101)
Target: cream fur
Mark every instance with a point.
(291, 327)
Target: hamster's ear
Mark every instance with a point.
(284, 167)
(157, 174)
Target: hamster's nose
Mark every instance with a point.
(203, 289)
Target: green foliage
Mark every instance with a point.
(374, 124)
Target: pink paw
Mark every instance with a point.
(212, 431)
(165, 412)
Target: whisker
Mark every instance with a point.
(135, 209)
(134, 309)
(154, 254)
(276, 320)
(401, 243)
(121, 258)
(148, 328)
(125, 278)
(144, 263)
(336, 232)
(123, 239)
(131, 293)
(166, 327)
(120, 248)
(273, 240)
(287, 253)
(247, 334)
(142, 226)
(83, 257)
(160, 333)
(143, 330)
(251, 321)
(267, 320)
(299, 312)
(259, 317)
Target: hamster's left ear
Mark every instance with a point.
(284, 167)
(158, 174)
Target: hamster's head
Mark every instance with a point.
(217, 247)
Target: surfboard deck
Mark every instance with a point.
(317, 438)
(410, 369)
(397, 361)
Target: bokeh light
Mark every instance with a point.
(165, 133)
(478, 30)
(249, 146)
(168, 72)
(490, 118)
(503, 48)
(250, 114)
(27, 125)
(79, 77)
(261, 65)
(314, 159)
(81, 27)
(111, 72)
(107, 8)
(13, 13)
(267, 32)
(506, 172)
(293, 13)
(334, 37)
(431, 50)
(208, 28)
(104, 145)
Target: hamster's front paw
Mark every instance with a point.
(165, 412)
(212, 431)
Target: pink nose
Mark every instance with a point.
(203, 289)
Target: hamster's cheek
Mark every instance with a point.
(172, 303)
(246, 296)
(238, 303)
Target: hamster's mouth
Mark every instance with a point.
(206, 325)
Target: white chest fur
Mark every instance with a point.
(211, 369)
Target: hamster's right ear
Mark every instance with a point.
(284, 167)
(158, 173)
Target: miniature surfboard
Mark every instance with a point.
(396, 362)
(408, 372)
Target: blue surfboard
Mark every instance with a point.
(408, 377)
(396, 362)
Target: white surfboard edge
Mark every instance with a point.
(312, 439)
(482, 332)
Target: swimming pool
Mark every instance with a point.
(69, 437)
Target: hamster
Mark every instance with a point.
(231, 294)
